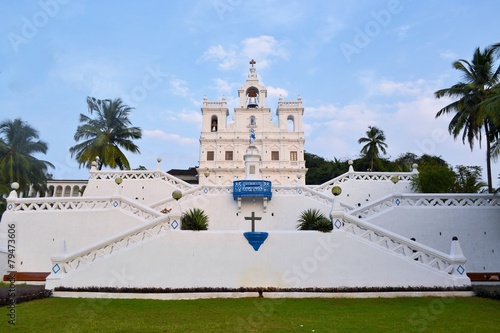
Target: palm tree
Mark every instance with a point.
(375, 143)
(194, 219)
(18, 143)
(474, 104)
(313, 219)
(104, 135)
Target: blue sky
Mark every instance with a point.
(354, 64)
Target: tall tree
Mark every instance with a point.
(18, 143)
(375, 143)
(104, 135)
(480, 79)
(468, 179)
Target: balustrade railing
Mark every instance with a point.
(425, 200)
(18, 205)
(399, 245)
(67, 263)
(140, 175)
(371, 176)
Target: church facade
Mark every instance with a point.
(280, 145)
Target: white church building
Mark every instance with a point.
(124, 230)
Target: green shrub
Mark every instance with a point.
(194, 219)
(313, 219)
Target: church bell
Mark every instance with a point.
(252, 102)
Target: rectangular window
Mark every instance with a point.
(252, 169)
(210, 155)
(229, 155)
(275, 155)
(293, 156)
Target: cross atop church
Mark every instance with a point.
(252, 62)
(253, 218)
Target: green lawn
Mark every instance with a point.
(431, 314)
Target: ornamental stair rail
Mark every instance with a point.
(371, 176)
(141, 175)
(201, 190)
(413, 251)
(192, 194)
(391, 201)
(65, 264)
(49, 204)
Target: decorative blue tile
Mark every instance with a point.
(337, 224)
(299, 191)
(398, 202)
(56, 268)
(205, 190)
(115, 204)
(9, 207)
(174, 224)
(460, 269)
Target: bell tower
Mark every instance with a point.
(274, 150)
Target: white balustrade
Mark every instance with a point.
(130, 238)
(399, 245)
(370, 176)
(425, 200)
(141, 175)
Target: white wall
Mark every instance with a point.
(188, 259)
(41, 234)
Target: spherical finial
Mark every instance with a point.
(14, 186)
(299, 175)
(394, 179)
(158, 159)
(414, 166)
(350, 162)
(97, 158)
(118, 180)
(176, 194)
(206, 173)
(336, 190)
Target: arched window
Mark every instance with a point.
(214, 124)
(290, 124)
(252, 121)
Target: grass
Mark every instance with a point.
(429, 314)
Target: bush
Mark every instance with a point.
(313, 219)
(194, 219)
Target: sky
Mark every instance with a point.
(354, 63)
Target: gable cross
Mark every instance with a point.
(252, 62)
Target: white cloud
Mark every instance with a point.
(222, 86)
(178, 87)
(188, 116)
(413, 88)
(170, 137)
(227, 58)
(276, 92)
(263, 49)
(376, 86)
